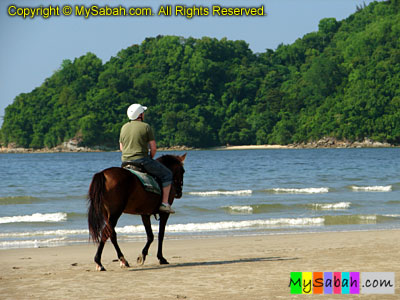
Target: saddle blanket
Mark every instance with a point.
(148, 181)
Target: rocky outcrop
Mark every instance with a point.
(70, 146)
(331, 142)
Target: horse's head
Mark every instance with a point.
(175, 164)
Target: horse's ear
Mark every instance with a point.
(182, 157)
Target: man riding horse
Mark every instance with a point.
(135, 140)
(115, 191)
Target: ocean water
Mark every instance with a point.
(240, 192)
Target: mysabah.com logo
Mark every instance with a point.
(342, 283)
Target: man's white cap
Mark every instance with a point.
(135, 110)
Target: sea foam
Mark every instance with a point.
(319, 190)
(222, 193)
(376, 188)
(228, 225)
(239, 209)
(331, 206)
(60, 232)
(38, 217)
(32, 243)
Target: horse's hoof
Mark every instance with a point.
(163, 261)
(123, 263)
(100, 268)
(140, 260)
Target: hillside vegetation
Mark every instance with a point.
(342, 81)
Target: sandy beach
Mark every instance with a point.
(255, 147)
(250, 267)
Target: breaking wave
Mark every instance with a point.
(229, 225)
(222, 193)
(239, 209)
(330, 206)
(376, 188)
(32, 243)
(319, 190)
(257, 208)
(38, 217)
(266, 208)
(61, 232)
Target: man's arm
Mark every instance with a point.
(120, 146)
(153, 148)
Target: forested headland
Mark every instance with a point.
(342, 81)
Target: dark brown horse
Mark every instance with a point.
(115, 191)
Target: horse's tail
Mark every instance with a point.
(96, 219)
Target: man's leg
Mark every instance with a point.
(165, 207)
(165, 175)
(166, 191)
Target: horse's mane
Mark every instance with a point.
(169, 160)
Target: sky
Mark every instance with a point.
(32, 49)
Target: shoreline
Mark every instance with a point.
(205, 236)
(313, 145)
(232, 267)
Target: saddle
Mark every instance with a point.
(149, 182)
(133, 165)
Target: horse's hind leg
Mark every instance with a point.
(97, 258)
(113, 237)
(150, 238)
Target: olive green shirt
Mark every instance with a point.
(135, 137)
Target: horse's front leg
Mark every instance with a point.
(161, 232)
(150, 238)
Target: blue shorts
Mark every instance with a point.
(157, 169)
